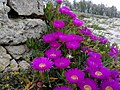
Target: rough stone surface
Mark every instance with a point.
(17, 31)
(16, 51)
(111, 26)
(3, 11)
(24, 65)
(13, 65)
(4, 58)
(27, 7)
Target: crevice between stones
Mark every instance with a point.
(12, 14)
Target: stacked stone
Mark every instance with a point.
(15, 31)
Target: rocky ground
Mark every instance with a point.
(108, 27)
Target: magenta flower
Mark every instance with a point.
(86, 32)
(74, 37)
(61, 88)
(110, 85)
(93, 37)
(72, 15)
(113, 75)
(86, 49)
(57, 34)
(63, 37)
(58, 24)
(55, 44)
(42, 64)
(62, 62)
(113, 52)
(88, 84)
(74, 75)
(66, 7)
(72, 45)
(95, 55)
(103, 40)
(53, 53)
(48, 38)
(100, 73)
(59, 1)
(78, 22)
(94, 63)
(63, 10)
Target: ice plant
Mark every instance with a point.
(88, 84)
(48, 38)
(62, 37)
(86, 31)
(74, 75)
(64, 10)
(53, 53)
(113, 75)
(110, 85)
(113, 52)
(61, 88)
(99, 73)
(57, 34)
(103, 40)
(72, 15)
(95, 55)
(72, 45)
(85, 49)
(55, 44)
(66, 7)
(62, 62)
(59, 1)
(76, 54)
(58, 24)
(94, 62)
(78, 22)
(93, 37)
(41, 64)
(74, 37)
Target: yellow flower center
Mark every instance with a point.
(98, 73)
(53, 55)
(108, 88)
(41, 65)
(74, 77)
(87, 87)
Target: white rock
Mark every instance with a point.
(24, 65)
(27, 7)
(17, 31)
(13, 65)
(16, 51)
(4, 58)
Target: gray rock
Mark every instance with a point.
(27, 7)
(4, 58)
(13, 65)
(3, 11)
(104, 26)
(24, 65)
(16, 51)
(18, 30)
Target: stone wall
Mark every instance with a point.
(17, 23)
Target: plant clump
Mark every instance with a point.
(70, 56)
